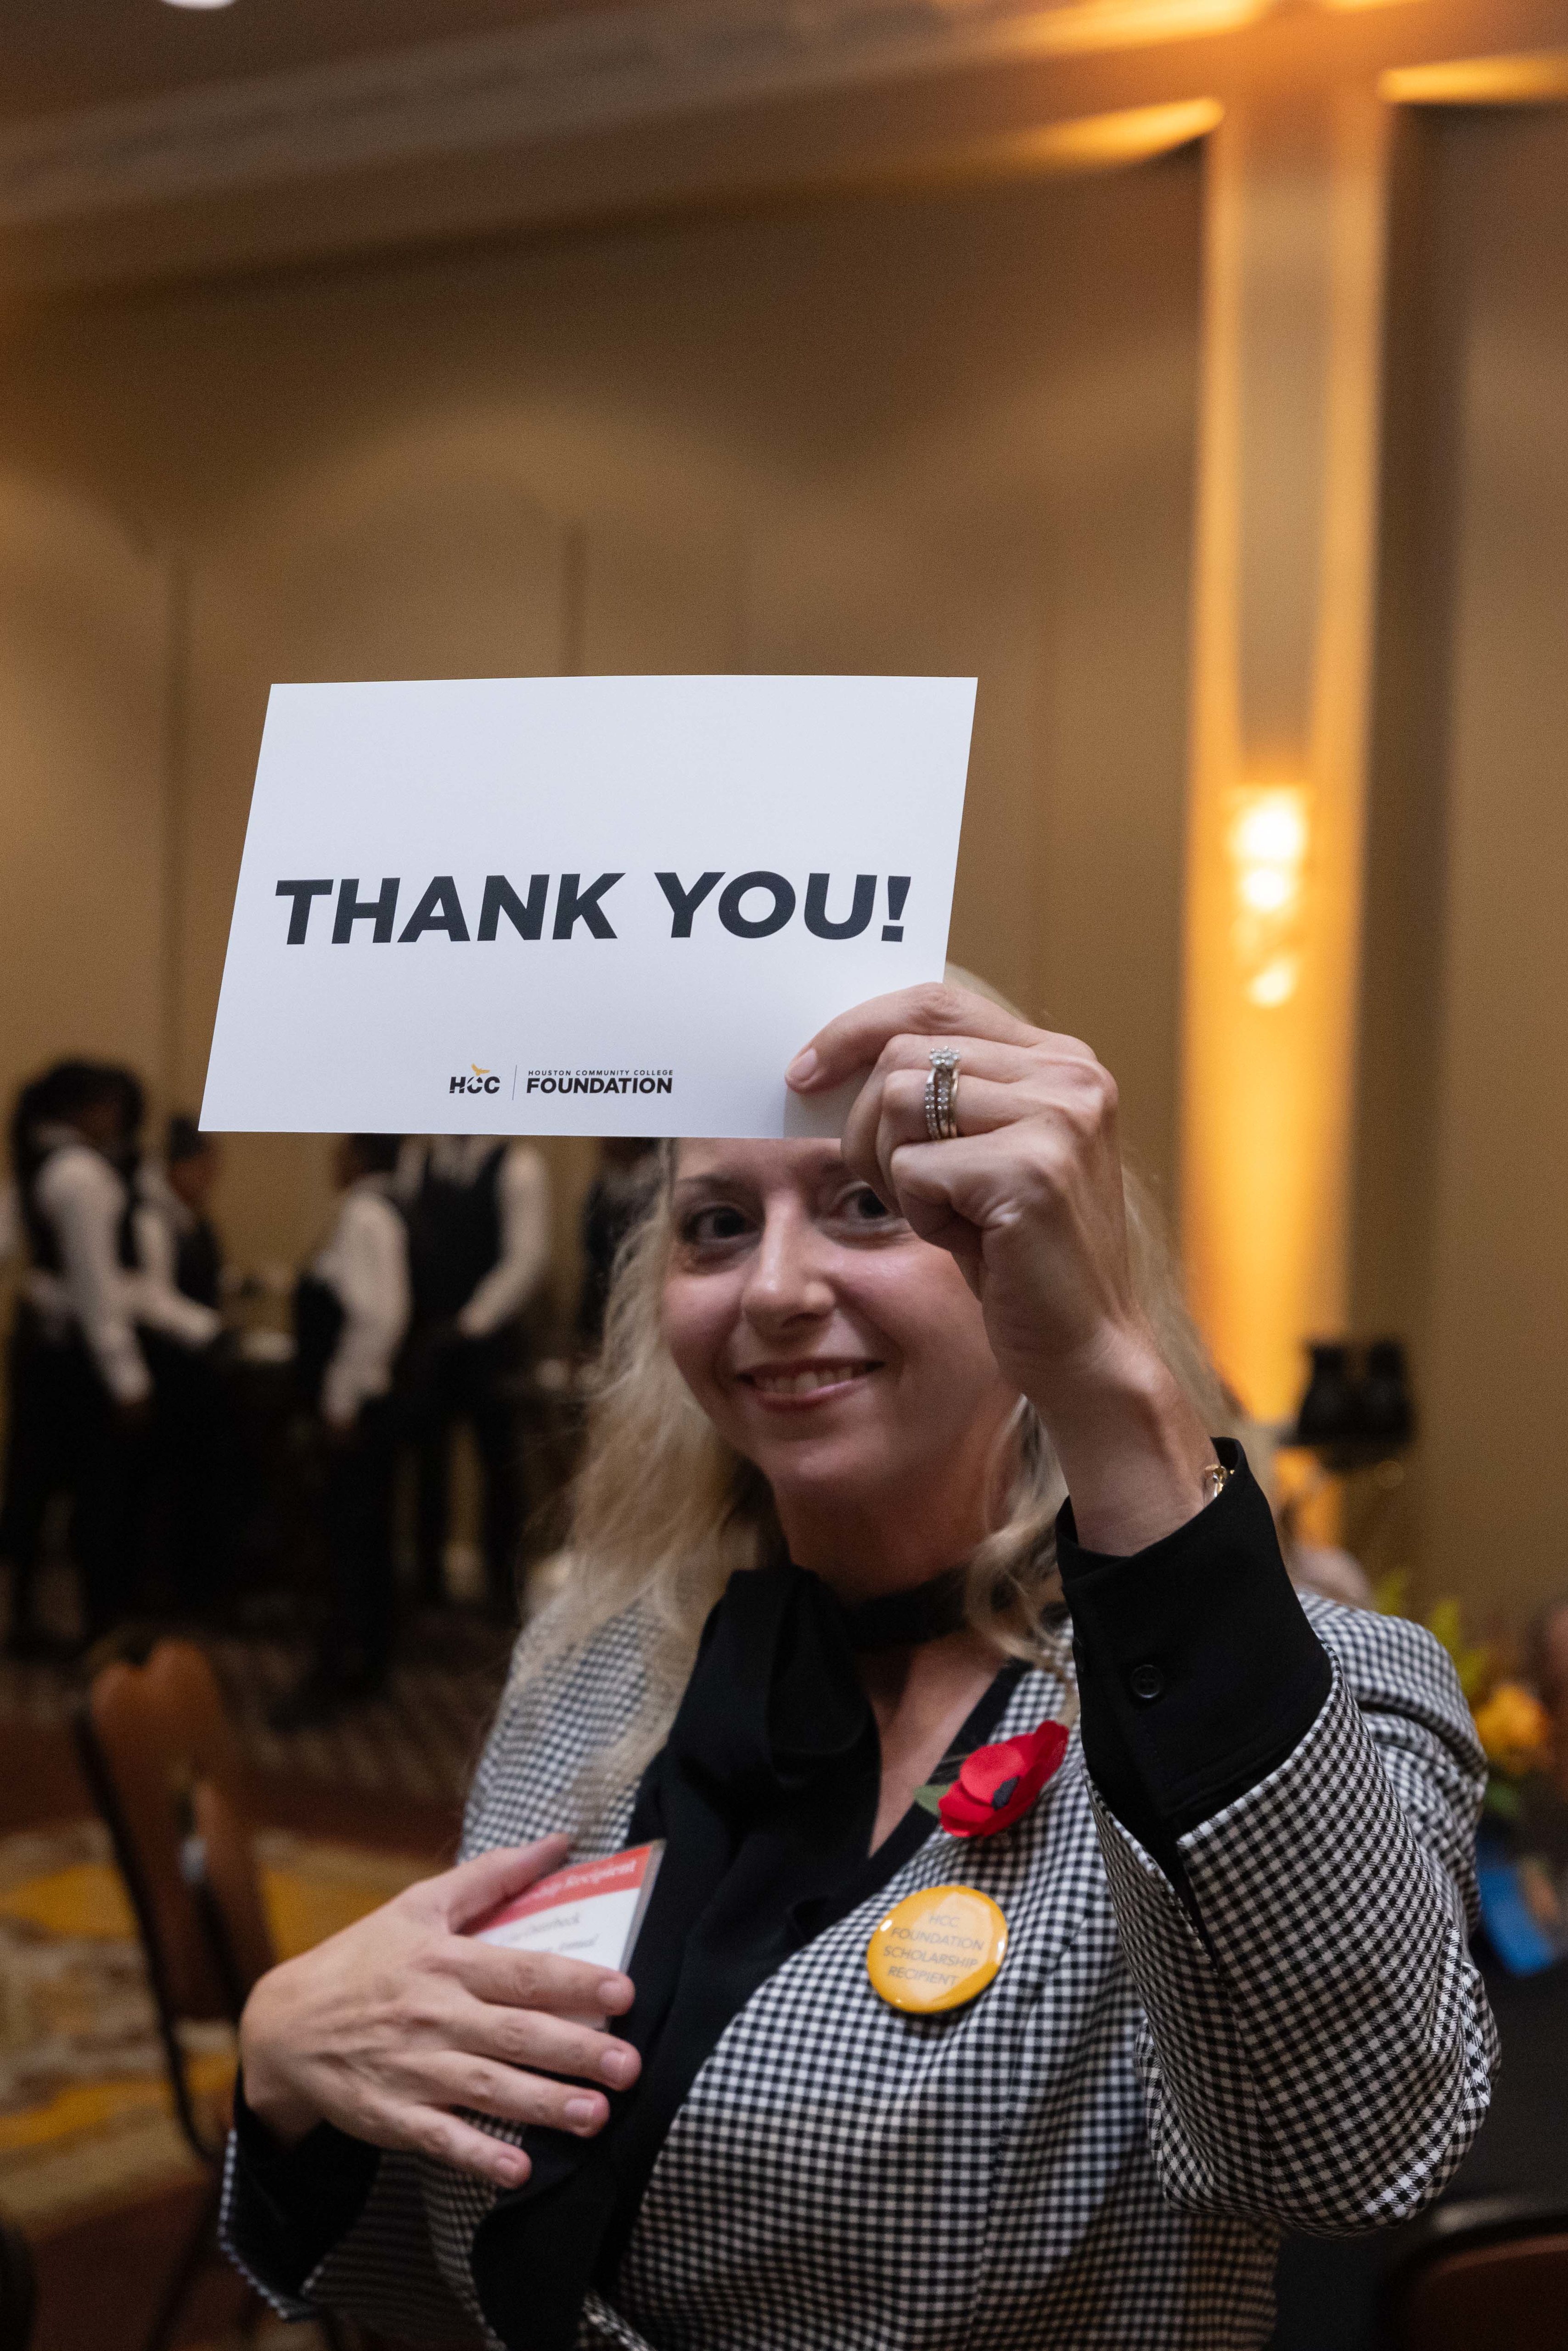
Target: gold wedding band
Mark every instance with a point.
(942, 1095)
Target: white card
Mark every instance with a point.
(590, 1911)
(450, 917)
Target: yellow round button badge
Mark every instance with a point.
(936, 1948)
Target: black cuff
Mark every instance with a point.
(1198, 1671)
(292, 2204)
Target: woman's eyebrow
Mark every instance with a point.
(733, 1180)
(719, 1180)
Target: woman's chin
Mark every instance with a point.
(830, 1471)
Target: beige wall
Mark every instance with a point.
(1497, 1374)
(938, 433)
(82, 640)
(1462, 1242)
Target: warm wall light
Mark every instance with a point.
(1534, 78)
(1269, 836)
(197, 3)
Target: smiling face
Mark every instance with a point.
(844, 1356)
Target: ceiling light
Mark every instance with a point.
(197, 3)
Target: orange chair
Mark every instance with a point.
(166, 1775)
(1488, 2270)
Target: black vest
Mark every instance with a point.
(454, 1238)
(199, 1264)
(318, 1320)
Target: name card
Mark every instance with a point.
(579, 905)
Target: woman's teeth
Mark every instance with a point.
(819, 1376)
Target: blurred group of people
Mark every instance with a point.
(412, 1318)
(111, 1397)
(124, 1371)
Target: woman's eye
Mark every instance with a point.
(864, 1207)
(720, 1223)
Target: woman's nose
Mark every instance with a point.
(787, 1280)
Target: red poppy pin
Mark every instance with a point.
(996, 1785)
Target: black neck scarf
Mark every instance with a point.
(765, 1793)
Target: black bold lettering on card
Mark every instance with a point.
(897, 892)
(859, 915)
(684, 903)
(440, 909)
(352, 909)
(302, 893)
(526, 917)
(574, 904)
(783, 906)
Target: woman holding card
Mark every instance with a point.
(942, 2026)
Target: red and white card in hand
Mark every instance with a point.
(591, 1910)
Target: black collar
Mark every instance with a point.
(905, 1620)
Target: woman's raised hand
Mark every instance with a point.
(1028, 1199)
(388, 2027)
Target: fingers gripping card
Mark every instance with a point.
(591, 1910)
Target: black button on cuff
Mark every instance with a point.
(1146, 1682)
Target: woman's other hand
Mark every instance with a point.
(387, 2027)
(1028, 1197)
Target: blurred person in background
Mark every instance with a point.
(479, 1225)
(81, 1392)
(351, 1313)
(179, 1241)
(196, 1453)
(1330, 1571)
(628, 1171)
(36, 1463)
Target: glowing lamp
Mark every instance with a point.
(1269, 838)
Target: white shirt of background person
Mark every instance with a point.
(522, 1188)
(157, 1222)
(85, 1200)
(365, 1266)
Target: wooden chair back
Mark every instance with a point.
(166, 1773)
(1492, 2272)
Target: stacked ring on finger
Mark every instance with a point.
(942, 1095)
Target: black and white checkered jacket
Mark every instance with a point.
(1105, 2147)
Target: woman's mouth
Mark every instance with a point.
(795, 1383)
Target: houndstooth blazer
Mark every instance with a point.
(1104, 2149)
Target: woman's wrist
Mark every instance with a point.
(1134, 1453)
(274, 2101)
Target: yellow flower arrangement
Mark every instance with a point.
(1515, 1730)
